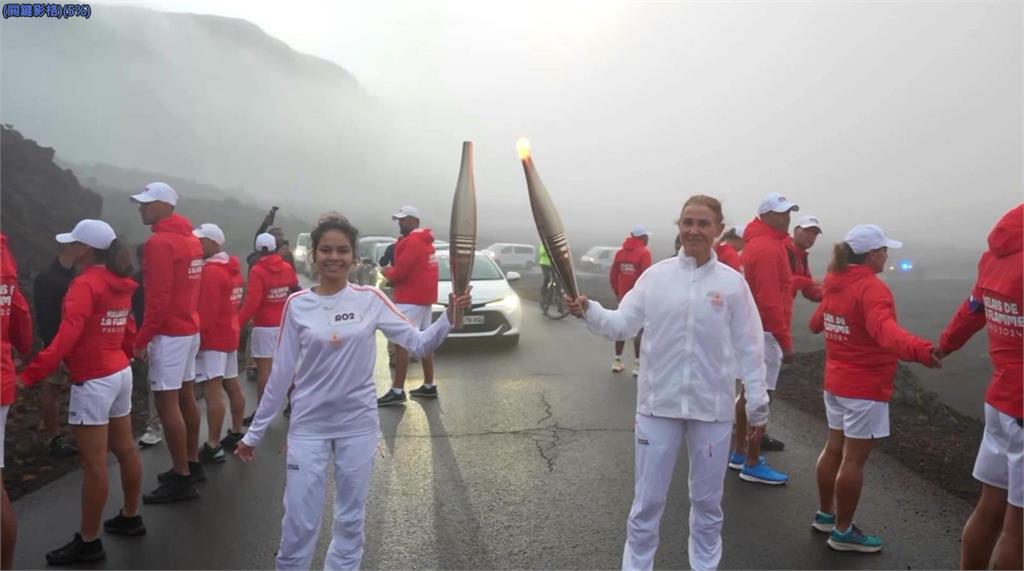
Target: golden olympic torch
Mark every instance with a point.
(549, 224)
(463, 228)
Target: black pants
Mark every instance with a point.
(548, 278)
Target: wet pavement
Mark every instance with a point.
(526, 461)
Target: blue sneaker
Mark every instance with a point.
(824, 522)
(737, 460)
(854, 540)
(762, 473)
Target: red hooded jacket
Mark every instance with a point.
(271, 281)
(766, 267)
(997, 301)
(96, 311)
(803, 281)
(728, 256)
(863, 340)
(15, 322)
(218, 307)
(414, 271)
(630, 261)
(172, 269)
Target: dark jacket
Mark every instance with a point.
(48, 292)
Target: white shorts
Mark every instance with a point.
(858, 418)
(3, 430)
(172, 360)
(213, 364)
(263, 341)
(96, 401)
(1000, 460)
(420, 315)
(772, 360)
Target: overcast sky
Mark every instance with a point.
(906, 114)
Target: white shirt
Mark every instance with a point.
(327, 348)
(701, 331)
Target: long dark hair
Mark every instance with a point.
(116, 258)
(843, 256)
(338, 223)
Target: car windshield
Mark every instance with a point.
(367, 246)
(483, 269)
(303, 240)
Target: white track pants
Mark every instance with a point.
(657, 447)
(308, 462)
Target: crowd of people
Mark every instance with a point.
(187, 329)
(711, 327)
(721, 309)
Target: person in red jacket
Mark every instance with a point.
(414, 276)
(271, 281)
(805, 233)
(630, 261)
(217, 361)
(863, 342)
(15, 333)
(766, 267)
(993, 532)
(729, 247)
(172, 267)
(95, 315)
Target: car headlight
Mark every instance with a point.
(507, 303)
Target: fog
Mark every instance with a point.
(906, 115)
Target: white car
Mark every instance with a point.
(496, 312)
(512, 255)
(598, 259)
(303, 253)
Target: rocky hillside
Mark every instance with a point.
(39, 199)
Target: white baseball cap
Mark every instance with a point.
(267, 241)
(864, 238)
(211, 232)
(809, 222)
(639, 230)
(775, 202)
(406, 211)
(93, 233)
(157, 191)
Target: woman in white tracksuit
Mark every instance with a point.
(327, 349)
(701, 331)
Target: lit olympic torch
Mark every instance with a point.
(549, 224)
(463, 228)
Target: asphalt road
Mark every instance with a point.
(526, 461)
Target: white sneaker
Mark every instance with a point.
(617, 366)
(636, 369)
(154, 435)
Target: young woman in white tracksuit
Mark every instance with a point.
(701, 331)
(327, 349)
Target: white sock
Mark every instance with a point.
(428, 385)
(398, 391)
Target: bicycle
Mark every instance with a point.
(552, 301)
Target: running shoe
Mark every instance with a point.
(737, 460)
(617, 366)
(824, 522)
(424, 392)
(77, 551)
(177, 488)
(211, 454)
(230, 442)
(391, 398)
(854, 540)
(762, 473)
(61, 446)
(636, 369)
(124, 525)
(772, 445)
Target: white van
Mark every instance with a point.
(512, 255)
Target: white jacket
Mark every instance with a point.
(701, 332)
(327, 348)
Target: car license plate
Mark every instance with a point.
(472, 319)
